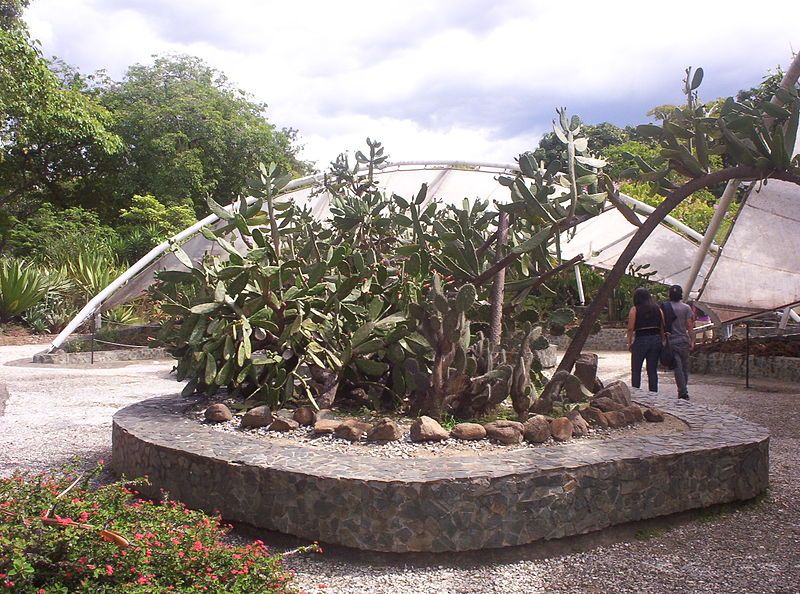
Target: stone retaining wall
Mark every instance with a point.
(133, 354)
(608, 339)
(444, 504)
(779, 368)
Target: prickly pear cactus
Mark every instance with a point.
(442, 321)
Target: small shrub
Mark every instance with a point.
(21, 287)
(59, 535)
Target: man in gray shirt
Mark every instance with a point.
(681, 336)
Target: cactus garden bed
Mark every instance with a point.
(365, 433)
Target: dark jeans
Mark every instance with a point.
(645, 348)
(681, 351)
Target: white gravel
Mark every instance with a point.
(55, 414)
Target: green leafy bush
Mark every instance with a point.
(51, 234)
(21, 287)
(147, 210)
(59, 535)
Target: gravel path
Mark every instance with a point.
(53, 415)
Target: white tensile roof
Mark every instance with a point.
(759, 267)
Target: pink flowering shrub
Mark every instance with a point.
(58, 535)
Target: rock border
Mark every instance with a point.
(453, 504)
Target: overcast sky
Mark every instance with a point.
(436, 79)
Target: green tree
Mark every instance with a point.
(600, 137)
(51, 137)
(188, 133)
(11, 14)
(147, 210)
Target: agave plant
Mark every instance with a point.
(21, 288)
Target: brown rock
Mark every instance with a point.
(617, 391)
(653, 415)
(284, 413)
(536, 429)
(327, 414)
(595, 416)
(305, 415)
(574, 390)
(260, 416)
(635, 413)
(586, 369)
(283, 424)
(352, 429)
(385, 430)
(217, 413)
(542, 406)
(427, 429)
(561, 429)
(468, 431)
(580, 428)
(506, 432)
(606, 404)
(326, 426)
(598, 385)
(616, 419)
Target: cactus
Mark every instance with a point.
(443, 322)
(521, 387)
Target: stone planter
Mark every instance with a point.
(450, 503)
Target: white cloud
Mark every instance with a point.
(456, 78)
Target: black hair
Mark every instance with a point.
(642, 296)
(675, 293)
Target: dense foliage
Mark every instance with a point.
(389, 300)
(59, 535)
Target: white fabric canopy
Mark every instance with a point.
(758, 270)
(759, 266)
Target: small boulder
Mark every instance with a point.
(606, 404)
(385, 430)
(616, 419)
(284, 424)
(653, 415)
(536, 429)
(542, 406)
(326, 426)
(327, 414)
(586, 369)
(284, 413)
(618, 391)
(260, 416)
(580, 428)
(633, 413)
(351, 429)
(218, 413)
(427, 429)
(506, 432)
(561, 428)
(574, 390)
(305, 415)
(595, 416)
(468, 431)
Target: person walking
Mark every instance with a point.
(679, 319)
(645, 337)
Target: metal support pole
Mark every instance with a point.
(785, 318)
(727, 197)
(747, 354)
(579, 283)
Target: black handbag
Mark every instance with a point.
(666, 357)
